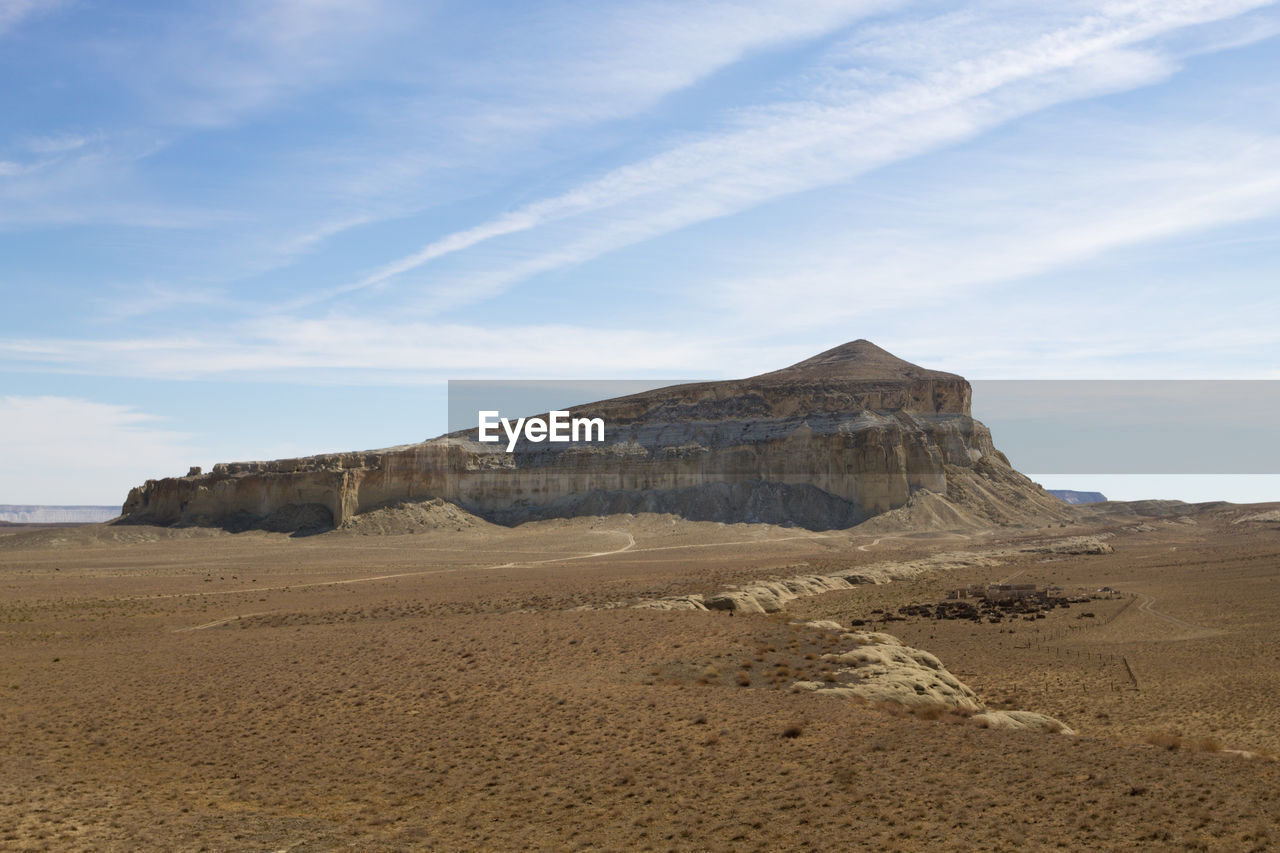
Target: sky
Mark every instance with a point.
(251, 230)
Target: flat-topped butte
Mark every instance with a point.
(826, 443)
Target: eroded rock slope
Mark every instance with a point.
(828, 443)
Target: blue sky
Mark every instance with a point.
(252, 230)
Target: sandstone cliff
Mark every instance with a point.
(827, 443)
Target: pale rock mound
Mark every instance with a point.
(988, 493)
(1073, 545)
(1020, 721)
(879, 668)
(413, 517)
(771, 596)
(678, 602)
(924, 510)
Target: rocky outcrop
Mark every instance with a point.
(1020, 721)
(771, 596)
(413, 517)
(878, 668)
(827, 443)
(1265, 517)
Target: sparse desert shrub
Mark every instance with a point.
(893, 709)
(1165, 740)
(928, 712)
(792, 732)
(743, 680)
(711, 672)
(1209, 744)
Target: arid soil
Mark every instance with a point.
(463, 689)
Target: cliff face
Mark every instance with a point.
(826, 443)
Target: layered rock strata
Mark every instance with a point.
(827, 443)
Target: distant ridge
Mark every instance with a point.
(36, 514)
(1076, 498)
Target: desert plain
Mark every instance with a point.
(430, 680)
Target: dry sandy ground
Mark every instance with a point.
(196, 690)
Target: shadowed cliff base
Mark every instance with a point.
(831, 442)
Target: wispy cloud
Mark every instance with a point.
(373, 350)
(596, 62)
(999, 218)
(56, 144)
(852, 123)
(13, 12)
(441, 118)
(139, 299)
(234, 61)
(588, 65)
(60, 450)
(885, 91)
(175, 75)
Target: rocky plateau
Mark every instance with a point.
(849, 435)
